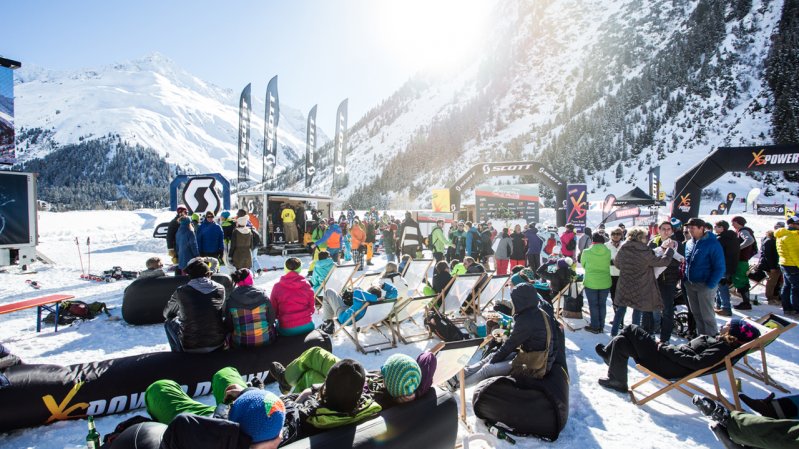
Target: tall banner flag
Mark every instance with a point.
(654, 182)
(607, 206)
(245, 109)
(340, 147)
(730, 199)
(271, 118)
(751, 197)
(577, 205)
(7, 148)
(440, 200)
(310, 147)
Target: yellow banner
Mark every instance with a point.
(440, 200)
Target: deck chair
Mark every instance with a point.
(775, 325)
(460, 291)
(374, 314)
(685, 383)
(403, 312)
(496, 286)
(557, 304)
(339, 278)
(367, 280)
(415, 274)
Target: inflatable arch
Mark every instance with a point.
(688, 188)
(514, 168)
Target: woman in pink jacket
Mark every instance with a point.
(293, 301)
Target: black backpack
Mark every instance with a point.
(442, 327)
(572, 244)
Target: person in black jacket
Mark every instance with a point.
(441, 276)
(559, 274)
(669, 361)
(729, 243)
(194, 313)
(769, 263)
(668, 279)
(529, 333)
(486, 250)
(172, 231)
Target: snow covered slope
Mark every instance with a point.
(154, 103)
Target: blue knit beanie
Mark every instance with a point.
(259, 413)
(401, 375)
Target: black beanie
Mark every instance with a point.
(344, 386)
(197, 268)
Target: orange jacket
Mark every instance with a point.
(358, 235)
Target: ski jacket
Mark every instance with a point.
(682, 360)
(440, 281)
(396, 281)
(199, 305)
(410, 237)
(240, 252)
(788, 246)
(227, 228)
(458, 238)
(472, 242)
(746, 236)
(293, 300)
(210, 238)
(529, 332)
(671, 275)
(361, 297)
(558, 278)
(485, 244)
(331, 237)
(534, 241)
(614, 250)
(518, 249)
(596, 262)
(320, 271)
(637, 287)
(730, 246)
(439, 242)
(583, 242)
(249, 317)
(567, 237)
(704, 261)
(389, 239)
(186, 245)
(189, 431)
(358, 236)
(769, 259)
(317, 235)
(504, 248)
(171, 232)
(370, 232)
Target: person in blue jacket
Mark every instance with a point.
(472, 241)
(704, 268)
(185, 244)
(211, 238)
(534, 245)
(333, 305)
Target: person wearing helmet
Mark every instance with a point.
(172, 231)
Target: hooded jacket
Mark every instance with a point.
(637, 287)
(361, 297)
(529, 331)
(398, 282)
(596, 261)
(534, 241)
(732, 249)
(249, 317)
(518, 249)
(704, 261)
(769, 259)
(331, 237)
(210, 238)
(567, 237)
(788, 246)
(358, 236)
(293, 300)
(241, 247)
(199, 307)
(320, 271)
(504, 248)
(186, 245)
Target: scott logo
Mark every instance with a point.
(501, 168)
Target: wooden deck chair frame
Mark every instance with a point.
(374, 314)
(409, 307)
(761, 374)
(684, 383)
(359, 283)
(501, 290)
(557, 306)
(414, 289)
(335, 268)
(467, 296)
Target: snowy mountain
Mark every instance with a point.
(153, 103)
(599, 90)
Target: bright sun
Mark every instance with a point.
(432, 34)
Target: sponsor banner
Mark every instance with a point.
(684, 203)
(577, 205)
(17, 209)
(771, 209)
(245, 109)
(759, 159)
(607, 205)
(440, 199)
(340, 145)
(7, 149)
(520, 201)
(654, 182)
(432, 217)
(310, 147)
(271, 119)
(722, 209)
(199, 195)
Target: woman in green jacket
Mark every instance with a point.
(596, 262)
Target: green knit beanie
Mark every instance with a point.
(401, 374)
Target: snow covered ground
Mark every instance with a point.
(598, 417)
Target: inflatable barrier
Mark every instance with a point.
(144, 299)
(430, 422)
(42, 394)
(510, 402)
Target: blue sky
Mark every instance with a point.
(323, 51)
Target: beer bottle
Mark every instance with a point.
(500, 434)
(93, 438)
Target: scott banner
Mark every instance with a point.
(340, 147)
(7, 150)
(440, 200)
(688, 187)
(245, 109)
(271, 119)
(654, 182)
(771, 209)
(310, 147)
(577, 205)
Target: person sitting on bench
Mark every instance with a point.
(154, 268)
(740, 430)
(334, 305)
(669, 361)
(194, 313)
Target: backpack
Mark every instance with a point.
(572, 244)
(429, 241)
(442, 327)
(69, 311)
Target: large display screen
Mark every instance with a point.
(7, 153)
(17, 209)
(514, 202)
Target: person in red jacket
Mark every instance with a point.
(568, 244)
(293, 301)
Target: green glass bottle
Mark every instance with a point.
(93, 438)
(501, 435)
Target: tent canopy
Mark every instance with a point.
(636, 197)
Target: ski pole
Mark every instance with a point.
(80, 257)
(89, 249)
